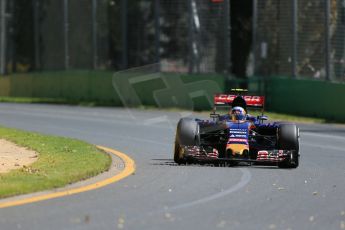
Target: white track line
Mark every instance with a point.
(323, 135)
(245, 179)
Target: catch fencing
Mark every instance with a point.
(300, 38)
(183, 35)
(297, 38)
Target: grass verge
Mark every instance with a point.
(271, 115)
(284, 117)
(30, 100)
(61, 161)
(291, 118)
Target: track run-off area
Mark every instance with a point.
(163, 195)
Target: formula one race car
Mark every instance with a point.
(237, 136)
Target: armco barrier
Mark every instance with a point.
(163, 90)
(73, 86)
(306, 97)
(168, 90)
(4, 86)
(285, 95)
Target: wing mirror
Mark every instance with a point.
(262, 118)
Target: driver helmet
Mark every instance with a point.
(238, 114)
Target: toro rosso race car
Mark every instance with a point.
(237, 136)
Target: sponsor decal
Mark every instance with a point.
(225, 98)
(239, 133)
(238, 130)
(243, 136)
(229, 98)
(237, 140)
(257, 99)
(213, 154)
(272, 156)
(262, 153)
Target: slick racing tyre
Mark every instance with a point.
(178, 154)
(288, 139)
(187, 134)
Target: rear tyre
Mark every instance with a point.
(288, 139)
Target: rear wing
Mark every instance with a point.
(226, 100)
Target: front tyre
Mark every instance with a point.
(187, 134)
(288, 139)
(178, 154)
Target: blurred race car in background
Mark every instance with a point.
(237, 136)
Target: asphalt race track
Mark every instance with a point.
(162, 195)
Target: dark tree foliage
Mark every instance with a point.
(140, 32)
(20, 37)
(174, 28)
(241, 35)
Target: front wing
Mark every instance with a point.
(263, 156)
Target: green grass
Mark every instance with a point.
(271, 115)
(291, 118)
(61, 161)
(31, 100)
(57, 101)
